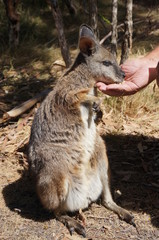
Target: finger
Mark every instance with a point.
(101, 86)
(111, 90)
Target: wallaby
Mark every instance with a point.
(66, 154)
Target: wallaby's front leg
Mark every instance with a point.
(106, 194)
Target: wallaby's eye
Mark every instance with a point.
(107, 63)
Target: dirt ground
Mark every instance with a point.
(134, 162)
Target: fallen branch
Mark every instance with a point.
(15, 112)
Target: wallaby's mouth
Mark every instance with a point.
(108, 81)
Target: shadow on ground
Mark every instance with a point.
(134, 163)
(136, 175)
(21, 197)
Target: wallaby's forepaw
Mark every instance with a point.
(72, 225)
(98, 112)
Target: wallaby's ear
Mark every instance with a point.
(87, 40)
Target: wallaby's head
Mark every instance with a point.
(101, 62)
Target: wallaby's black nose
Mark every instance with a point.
(123, 73)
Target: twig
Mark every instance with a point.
(98, 217)
(110, 33)
(120, 25)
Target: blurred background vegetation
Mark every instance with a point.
(38, 36)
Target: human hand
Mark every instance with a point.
(138, 74)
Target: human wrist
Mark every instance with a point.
(150, 61)
(151, 65)
(153, 56)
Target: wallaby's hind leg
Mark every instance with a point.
(106, 194)
(53, 192)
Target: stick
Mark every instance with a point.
(15, 112)
(110, 33)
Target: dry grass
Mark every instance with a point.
(134, 114)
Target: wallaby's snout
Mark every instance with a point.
(117, 74)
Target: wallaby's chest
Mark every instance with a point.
(89, 137)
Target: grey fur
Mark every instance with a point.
(66, 154)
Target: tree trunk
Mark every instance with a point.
(60, 30)
(13, 19)
(127, 42)
(114, 27)
(70, 7)
(93, 16)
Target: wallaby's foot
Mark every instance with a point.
(122, 213)
(72, 225)
(126, 216)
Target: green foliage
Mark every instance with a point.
(106, 20)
